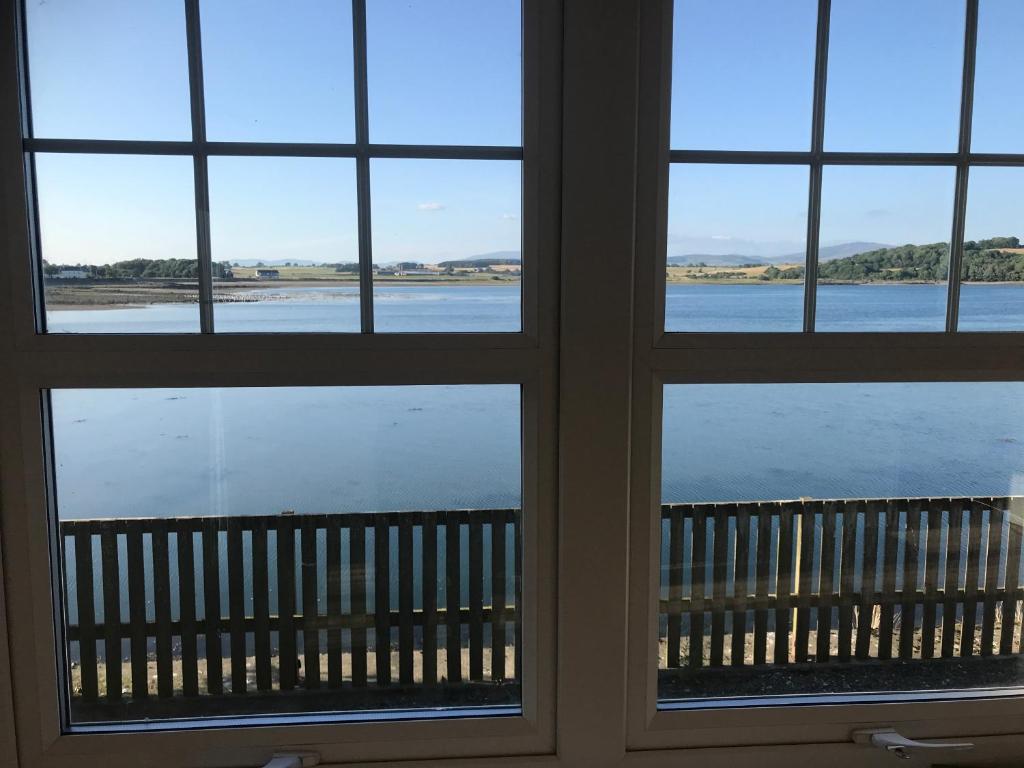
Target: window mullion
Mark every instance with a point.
(201, 175)
(956, 242)
(363, 165)
(814, 180)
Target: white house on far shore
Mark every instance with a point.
(71, 274)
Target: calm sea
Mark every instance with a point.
(252, 451)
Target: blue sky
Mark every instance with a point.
(448, 72)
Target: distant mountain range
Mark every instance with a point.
(828, 253)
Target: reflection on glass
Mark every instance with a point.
(285, 244)
(992, 274)
(278, 71)
(884, 248)
(998, 72)
(280, 551)
(447, 240)
(894, 75)
(736, 248)
(118, 242)
(108, 69)
(445, 71)
(865, 528)
(743, 74)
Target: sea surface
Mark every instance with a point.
(249, 451)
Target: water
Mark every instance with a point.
(161, 452)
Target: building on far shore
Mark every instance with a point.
(71, 274)
(267, 274)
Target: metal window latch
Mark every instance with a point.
(293, 760)
(901, 746)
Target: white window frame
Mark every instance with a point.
(691, 358)
(37, 362)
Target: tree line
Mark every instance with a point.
(182, 269)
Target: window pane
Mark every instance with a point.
(278, 71)
(894, 75)
(447, 245)
(998, 110)
(885, 248)
(743, 74)
(992, 288)
(736, 248)
(445, 71)
(863, 510)
(108, 69)
(118, 242)
(303, 520)
(285, 242)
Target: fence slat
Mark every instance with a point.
(430, 600)
(805, 567)
(675, 585)
(740, 585)
(784, 586)
(162, 609)
(846, 573)
(869, 566)
(698, 557)
(86, 602)
(995, 549)
(288, 661)
(261, 606)
(1013, 554)
(111, 612)
(764, 536)
(405, 602)
(718, 584)
(827, 581)
(236, 606)
(187, 609)
(931, 582)
(332, 544)
(908, 606)
(498, 596)
(970, 617)
(310, 604)
(382, 599)
(951, 582)
(137, 611)
(888, 568)
(476, 600)
(357, 587)
(453, 596)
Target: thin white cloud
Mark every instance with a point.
(721, 237)
(430, 207)
(509, 216)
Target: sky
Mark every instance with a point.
(449, 72)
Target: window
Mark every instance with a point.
(296, 472)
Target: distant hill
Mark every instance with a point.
(828, 253)
(495, 258)
(275, 262)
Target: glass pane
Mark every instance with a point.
(894, 75)
(998, 109)
(118, 242)
(885, 248)
(285, 244)
(108, 69)
(817, 539)
(447, 242)
(992, 287)
(445, 71)
(302, 520)
(743, 74)
(736, 248)
(278, 71)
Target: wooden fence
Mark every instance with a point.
(254, 607)
(786, 583)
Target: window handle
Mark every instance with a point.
(892, 742)
(293, 760)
